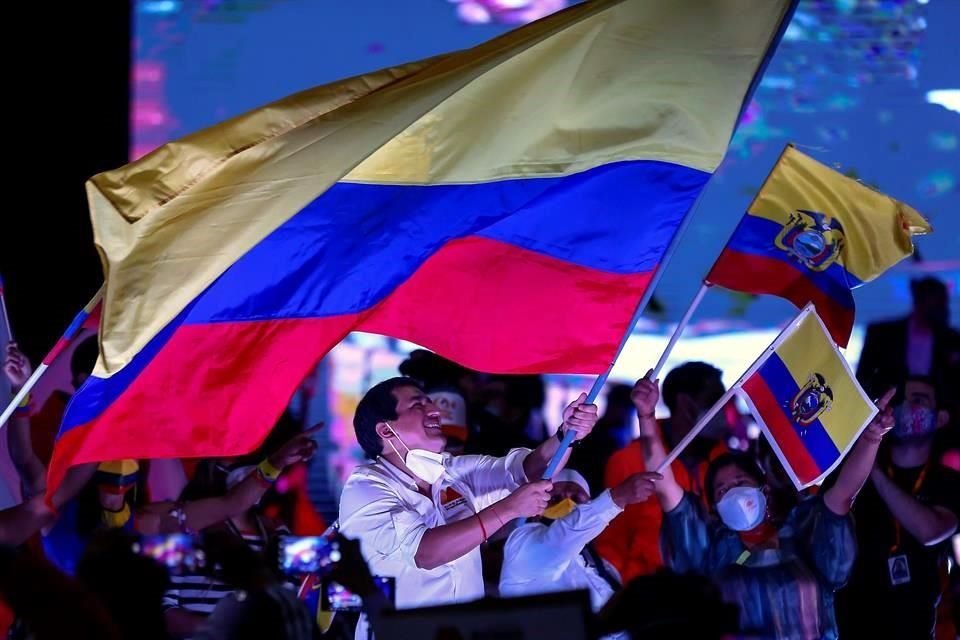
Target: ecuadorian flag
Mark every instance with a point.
(807, 400)
(812, 235)
(506, 206)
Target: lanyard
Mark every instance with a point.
(913, 492)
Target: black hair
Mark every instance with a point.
(208, 481)
(743, 461)
(879, 387)
(378, 405)
(432, 370)
(524, 392)
(620, 395)
(689, 378)
(131, 586)
(443, 388)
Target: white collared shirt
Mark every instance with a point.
(540, 558)
(381, 507)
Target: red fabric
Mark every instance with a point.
(782, 430)
(45, 424)
(198, 406)
(631, 543)
(6, 618)
(762, 275)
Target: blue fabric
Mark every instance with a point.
(783, 594)
(784, 387)
(755, 236)
(352, 246)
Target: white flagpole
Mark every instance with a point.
(708, 416)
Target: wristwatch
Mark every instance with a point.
(561, 432)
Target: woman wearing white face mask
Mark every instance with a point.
(781, 569)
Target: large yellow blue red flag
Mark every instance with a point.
(807, 400)
(505, 206)
(812, 235)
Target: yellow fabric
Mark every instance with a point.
(558, 510)
(602, 81)
(555, 108)
(808, 350)
(115, 519)
(126, 467)
(876, 229)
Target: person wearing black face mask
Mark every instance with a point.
(922, 344)
(905, 517)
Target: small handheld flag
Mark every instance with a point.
(88, 318)
(807, 401)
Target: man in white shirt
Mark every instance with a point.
(554, 553)
(421, 515)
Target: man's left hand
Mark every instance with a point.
(580, 417)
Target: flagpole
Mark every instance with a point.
(732, 391)
(684, 321)
(637, 314)
(641, 306)
(704, 285)
(72, 330)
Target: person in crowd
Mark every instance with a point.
(632, 541)
(288, 501)
(453, 416)
(433, 370)
(780, 568)
(31, 469)
(669, 606)
(47, 604)
(554, 552)
(131, 586)
(508, 415)
(420, 515)
(92, 496)
(260, 604)
(45, 421)
(614, 430)
(221, 498)
(907, 514)
(922, 344)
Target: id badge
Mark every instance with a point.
(899, 569)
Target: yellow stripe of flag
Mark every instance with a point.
(876, 228)
(809, 350)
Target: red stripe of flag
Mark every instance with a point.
(781, 429)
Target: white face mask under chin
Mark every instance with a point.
(426, 465)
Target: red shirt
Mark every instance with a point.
(632, 541)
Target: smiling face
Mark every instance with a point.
(417, 423)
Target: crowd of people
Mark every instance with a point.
(452, 508)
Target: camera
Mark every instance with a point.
(299, 555)
(336, 597)
(178, 552)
